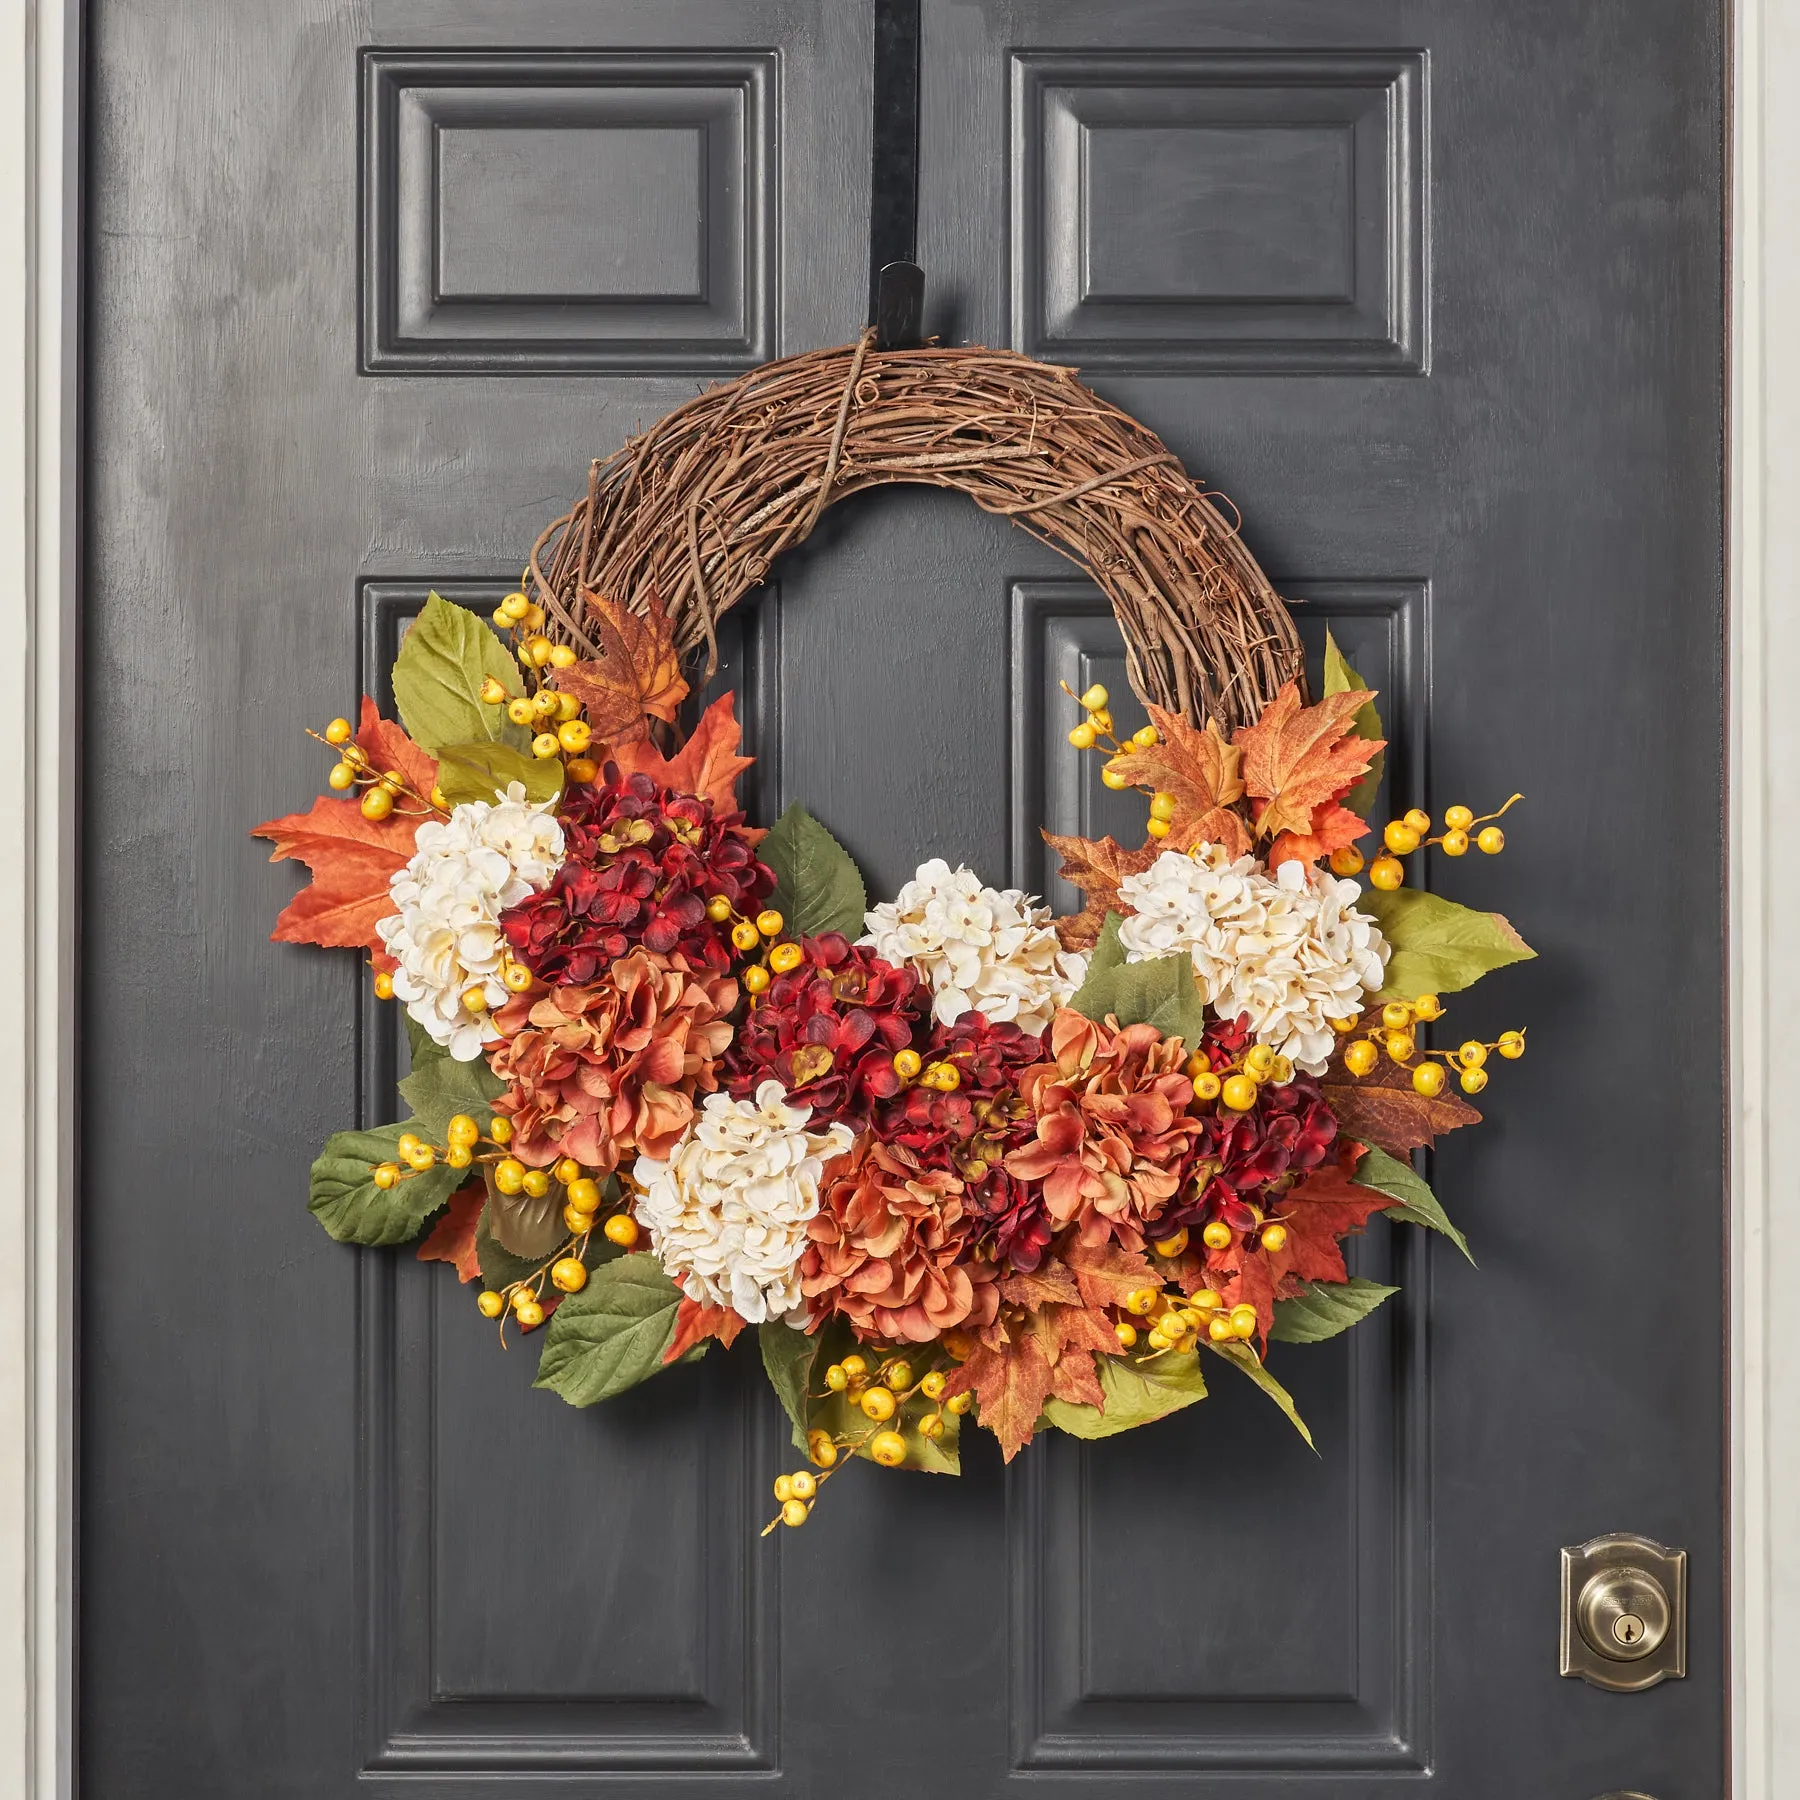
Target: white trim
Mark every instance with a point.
(37, 899)
(38, 895)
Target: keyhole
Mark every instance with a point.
(1628, 1628)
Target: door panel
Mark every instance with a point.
(1433, 295)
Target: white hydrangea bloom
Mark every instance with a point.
(465, 871)
(727, 1213)
(1289, 950)
(986, 949)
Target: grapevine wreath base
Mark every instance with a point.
(674, 1076)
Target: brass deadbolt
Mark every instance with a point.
(1624, 1607)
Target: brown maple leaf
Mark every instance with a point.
(1201, 771)
(352, 858)
(1096, 866)
(1106, 1274)
(1084, 1328)
(636, 677)
(1050, 1284)
(696, 1322)
(1299, 758)
(708, 764)
(1384, 1109)
(452, 1238)
(1010, 1387)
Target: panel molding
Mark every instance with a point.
(1366, 313)
(414, 1722)
(716, 312)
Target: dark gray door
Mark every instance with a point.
(1433, 292)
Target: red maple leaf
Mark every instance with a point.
(707, 764)
(1334, 827)
(635, 678)
(452, 1238)
(1298, 759)
(695, 1323)
(352, 858)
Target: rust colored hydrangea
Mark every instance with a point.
(610, 1069)
(1114, 1130)
(642, 862)
(889, 1249)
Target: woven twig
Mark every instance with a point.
(697, 508)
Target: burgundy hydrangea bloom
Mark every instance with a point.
(1015, 1220)
(642, 861)
(828, 1031)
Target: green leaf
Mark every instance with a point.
(1136, 1394)
(1439, 947)
(499, 1267)
(1161, 992)
(787, 1361)
(439, 1087)
(438, 675)
(611, 1335)
(346, 1201)
(846, 1423)
(1340, 678)
(1418, 1204)
(1246, 1359)
(818, 887)
(1324, 1308)
(482, 771)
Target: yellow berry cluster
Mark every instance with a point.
(1237, 1086)
(514, 975)
(1095, 732)
(554, 718)
(758, 934)
(1175, 1322)
(1401, 837)
(382, 789)
(1393, 1031)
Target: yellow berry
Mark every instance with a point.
(1474, 1080)
(1207, 1086)
(1217, 1235)
(1347, 861)
(502, 618)
(785, 957)
(756, 978)
(802, 1485)
(568, 709)
(1207, 1300)
(339, 731)
(1361, 1057)
(377, 804)
(536, 1183)
(949, 1078)
(878, 1404)
(907, 1064)
(492, 691)
(577, 1222)
(408, 1142)
(1344, 1026)
(384, 985)
(509, 1175)
(1400, 1045)
(1472, 1054)
(436, 797)
(821, 1449)
(1243, 1321)
(515, 606)
(1511, 1045)
(1158, 1339)
(931, 1384)
(538, 650)
(959, 1403)
(1145, 736)
(584, 1192)
(490, 1304)
(1418, 822)
(1083, 736)
(544, 746)
(1172, 1246)
(1142, 1300)
(582, 769)
(340, 776)
(1454, 843)
(784, 1488)
(1126, 1334)
(855, 1365)
(515, 977)
(1239, 1093)
(1400, 837)
(462, 1131)
(545, 704)
(1095, 698)
(1458, 818)
(475, 998)
(621, 1229)
(1110, 777)
(1218, 1328)
(1158, 828)
(521, 711)
(1281, 1071)
(931, 1426)
(793, 1512)
(1428, 1006)
(573, 735)
(1101, 720)
(888, 1448)
(1387, 872)
(1162, 806)
(1258, 1061)
(770, 922)
(744, 935)
(837, 1378)
(718, 908)
(568, 1274)
(386, 1175)
(1428, 1079)
(422, 1157)
(566, 1169)
(1396, 1015)
(500, 1128)
(530, 1315)
(562, 656)
(1491, 841)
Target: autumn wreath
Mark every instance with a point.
(673, 1075)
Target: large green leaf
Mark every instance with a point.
(1137, 1393)
(346, 1201)
(818, 888)
(1161, 992)
(1439, 947)
(439, 1087)
(1246, 1359)
(1325, 1308)
(1418, 1204)
(443, 661)
(1340, 678)
(482, 771)
(611, 1335)
(788, 1360)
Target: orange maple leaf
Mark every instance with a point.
(1201, 771)
(1010, 1386)
(352, 858)
(707, 764)
(1096, 866)
(1050, 1284)
(696, 1322)
(452, 1239)
(1299, 758)
(1106, 1274)
(1334, 827)
(636, 677)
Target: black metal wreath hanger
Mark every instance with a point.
(896, 282)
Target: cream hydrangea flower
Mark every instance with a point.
(727, 1213)
(1289, 950)
(465, 871)
(977, 948)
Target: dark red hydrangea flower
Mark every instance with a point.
(642, 861)
(1016, 1221)
(828, 1030)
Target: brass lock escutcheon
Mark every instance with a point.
(1624, 1612)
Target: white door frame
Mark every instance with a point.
(39, 60)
